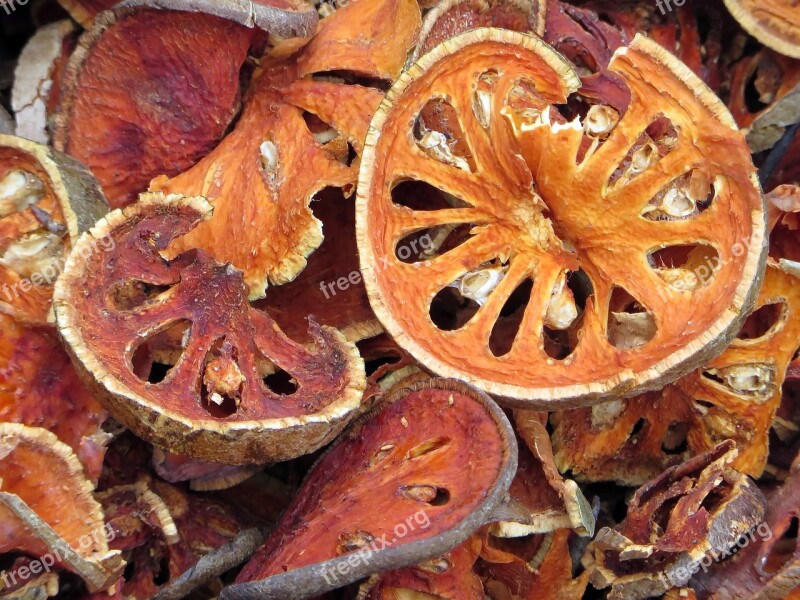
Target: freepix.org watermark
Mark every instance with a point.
(419, 520)
(666, 6)
(11, 5)
(44, 563)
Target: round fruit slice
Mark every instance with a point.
(181, 358)
(412, 479)
(573, 261)
(47, 508)
(46, 200)
(774, 23)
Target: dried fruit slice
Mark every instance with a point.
(367, 37)
(84, 11)
(40, 388)
(452, 17)
(553, 282)
(446, 577)
(51, 514)
(773, 22)
(46, 200)
(37, 78)
(408, 482)
(232, 387)
(673, 521)
(767, 562)
(733, 397)
(133, 111)
(203, 476)
(765, 97)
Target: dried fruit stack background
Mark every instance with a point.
(400, 299)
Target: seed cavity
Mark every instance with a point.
(600, 121)
(754, 380)
(38, 256)
(352, 541)
(18, 191)
(562, 310)
(436, 145)
(478, 285)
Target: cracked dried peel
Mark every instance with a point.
(121, 311)
(551, 213)
(46, 506)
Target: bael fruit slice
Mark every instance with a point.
(236, 390)
(46, 200)
(409, 481)
(558, 249)
(47, 508)
(133, 111)
(774, 23)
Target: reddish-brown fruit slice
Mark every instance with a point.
(775, 23)
(673, 521)
(545, 500)
(46, 200)
(47, 508)
(767, 563)
(330, 288)
(386, 365)
(37, 78)
(202, 476)
(409, 481)
(733, 397)
(132, 111)
(368, 37)
(446, 577)
(570, 245)
(260, 195)
(775, 80)
(40, 388)
(452, 17)
(540, 567)
(236, 390)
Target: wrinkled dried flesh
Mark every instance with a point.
(734, 397)
(448, 577)
(40, 388)
(368, 37)
(273, 133)
(772, 22)
(767, 565)
(672, 522)
(133, 111)
(229, 341)
(412, 458)
(539, 227)
(204, 476)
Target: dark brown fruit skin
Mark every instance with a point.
(314, 579)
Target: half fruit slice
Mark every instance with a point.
(573, 261)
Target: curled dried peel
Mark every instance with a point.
(735, 396)
(408, 494)
(673, 521)
(773, 22)
(133, 111)
(52, 512)
(122, 310)
(46, 200)
(567, 216)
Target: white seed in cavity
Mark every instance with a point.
(479, 284)
(600, 121)
(19, 190)
(434, 144)
(562, 310)
(38, 256)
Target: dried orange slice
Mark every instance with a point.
(773, 22)
(562, 269)
(52, 514)
(179, 356)
(46, 200)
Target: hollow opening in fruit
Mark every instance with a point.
(280, 382)
(684, 197)
(450, 310)
(685, 267)
(427, 447)
(156, 355)
(676, 439)
(630, 324)
(506, 328)
(132, 293)
(764, 322)
(438, 134)
(422, 196)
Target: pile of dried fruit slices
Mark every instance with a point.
(400, 300)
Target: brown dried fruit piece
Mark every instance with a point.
(202, 476)
(565, 246)
(46, 200)
(237, 390)
(452, 17)
(446, 577)
(774, 23)
(673, 522)
(544, 500)
(735, 397)
(765, 97)
(132, 111)
(409, 481)
(40, 388)
(539, 566)
(766, 565)
(47, 508)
